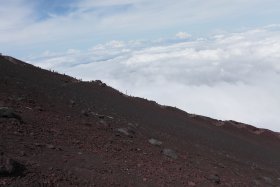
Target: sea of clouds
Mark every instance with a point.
(225, 76)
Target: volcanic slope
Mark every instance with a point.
(57, 130)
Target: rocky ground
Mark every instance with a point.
(58, 131)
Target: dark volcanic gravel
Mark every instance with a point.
(58, 131)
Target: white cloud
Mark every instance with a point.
(88, 4)
(11, 21)
(183, 35)
(227, 76)
(92, 21)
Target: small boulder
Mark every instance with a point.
(170, 153)
(100, 83)
(10, 167)
(215, 178)
(256, 182)
(6, 112)
(123, 131)
(7, 167)
(39, 108)
(268, 180)
(101, 116)
(155, 142)
(133, 125)
(72, 102)
(85, 113)
(50, 146)
(126, 131)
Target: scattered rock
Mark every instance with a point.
(7, 167)
(38, 144)
(110, 117)
(256, 182)
(6, 112)
(39, 108)
(219, 123)
(268, 180)
(101, 116)
(214, 178)
(10, 167)
(220, 165)
(191, 183)
(123, 131)
(50, 146)
(72, 102)
(84, 113)
(100, 83)
(20, 98)
(29, 108)
(258, 131)
(170, 153)
(133, 125)
(102, 122)
(155, 142)
(126, 131)
(192, 115)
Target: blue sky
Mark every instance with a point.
(217, 58)
(40, 25)
(43, 8)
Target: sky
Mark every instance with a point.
(216, 58)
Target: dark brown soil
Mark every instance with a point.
(64, 132)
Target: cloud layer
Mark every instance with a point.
(226, 76)
(32, 26)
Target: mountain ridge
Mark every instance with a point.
(206, 146)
